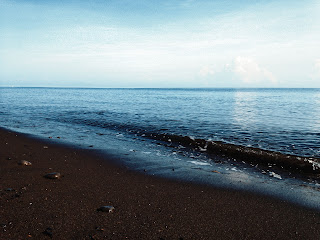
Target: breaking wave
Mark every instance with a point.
(308, 166)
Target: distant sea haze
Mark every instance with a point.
(283, 120)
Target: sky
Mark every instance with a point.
(153, 43)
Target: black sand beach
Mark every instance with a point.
(35, 207)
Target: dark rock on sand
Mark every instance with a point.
(53, 175)
(100, 229)
(17, 195)
(106, 209)
(48, 232)
(25, 163)
(92, 237)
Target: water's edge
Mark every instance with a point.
(120, 161)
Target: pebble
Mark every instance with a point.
(25, 163)
(9, 158)
(16, 195)
(48, 232)
(92, 237)
(100, 229)
(53, 175)
(106, 209)
(9, 189)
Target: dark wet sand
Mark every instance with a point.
(145, 207)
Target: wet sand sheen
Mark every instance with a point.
(145, 207)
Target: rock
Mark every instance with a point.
(9, 189)
(106, 209)
(25, 163)
(45, 147)
(92, 237)
(48, 232)
(9, 158)
(53, 175)
(16, 196)
(100, 229)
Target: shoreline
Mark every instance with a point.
(146, 207)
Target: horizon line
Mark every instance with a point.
(161, 87)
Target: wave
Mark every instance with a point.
(297, 164)
(308, 166)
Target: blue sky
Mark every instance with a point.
(167, 43)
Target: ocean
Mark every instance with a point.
(212, 136)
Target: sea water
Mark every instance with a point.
(128, 123)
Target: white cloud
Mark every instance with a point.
(316, 70)
(317, 65)
(206, 71)
(250, 72)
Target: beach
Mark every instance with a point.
(145, 207)
(159, 120)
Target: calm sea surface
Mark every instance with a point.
(119, 121)
(285, 120)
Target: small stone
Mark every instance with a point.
(9, 189)
(100, 229)
(25, 163)
(92, 237)
(53, 175)
(106, 209)
(48, 232)
(16, 195)
(45, 147)
(9, 158)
